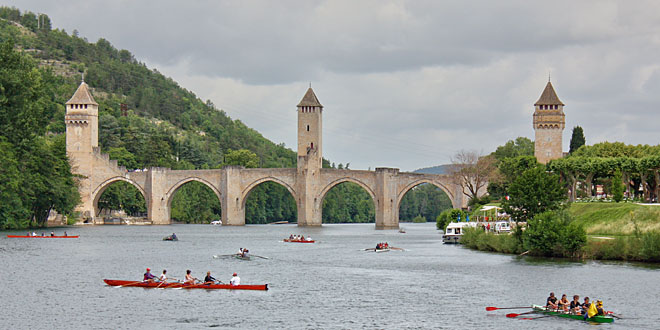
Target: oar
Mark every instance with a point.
(512, 315)
(128, 284)
(254, 255)
(496, 308)
(535, 318)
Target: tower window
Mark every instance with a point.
(307, 128)
(312, 145)
(85, 106)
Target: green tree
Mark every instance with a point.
(534, 191)
(242, 157)
(617, 186)
(577, 139)
(553, 233)
(521, 146)
(448, 216)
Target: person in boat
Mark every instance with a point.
(43, 234)
(387, 246)
(291, 236)
(599, 308)
(575, 305)
(246, 253)
(65, 234)
(235, 280)
(591, 311)
(551, 302)
(563, 303)
(52, 234)
(174, 238)
(308, 238)
(585, 307)
(302, 237)
(34, 233)
(148, 276)
(189, 278)
(163, 276)
(209, 279)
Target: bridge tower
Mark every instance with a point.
(549, 125)
(310, 158)
(82, 139)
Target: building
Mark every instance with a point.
(549, 125)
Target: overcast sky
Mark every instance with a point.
(404, 83)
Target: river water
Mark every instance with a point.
(332, 284)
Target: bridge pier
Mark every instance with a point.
(387, 213)
(158, 211)
(233, 208)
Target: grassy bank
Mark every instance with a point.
(634, 231)
(616, 219)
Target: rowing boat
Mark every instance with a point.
(175, 285)
(595, 318)
(240, 257)
(23, 236)
(298, 241)
(170, 238)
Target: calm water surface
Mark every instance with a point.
(333, 284)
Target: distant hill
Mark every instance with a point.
(440, 169)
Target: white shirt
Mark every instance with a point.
(235, 280)
(163, 277)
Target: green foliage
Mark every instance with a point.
(617, 187)
(122, 196)
(448, 216)
(522, 146)
(577, 139)
(194, 202)
(478, 239)
(242, 157)
(553, 234)
(348, 202)
(419, 219)
(426, 200)
(270, 202)
(533, 192)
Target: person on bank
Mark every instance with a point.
(209, 279)
(235, 280)
(551, 302)
(148, 276)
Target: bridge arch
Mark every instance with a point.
(98, 191)
(170, 193)
(415, 183)
(318, 201)
(246, 192)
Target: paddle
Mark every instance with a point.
(254, 255)
(512, 315)
(496, 308)
(128, 284)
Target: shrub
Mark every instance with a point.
(553, 234)
(448, 216)
(419, 219)
(650, 246)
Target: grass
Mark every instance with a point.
(616, 219)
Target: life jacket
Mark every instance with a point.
(592, 310)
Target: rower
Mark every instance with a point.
(563, 303)
(174, 237)
(235, 280)
(585, 307)
(65, 234)
(163, 276)
(599, 308)
(575, 306)
(209, 279)
(551, 302)
(189, 278)
(148, 277)
(52, 234)
(246, 253)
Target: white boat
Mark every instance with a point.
(216, 222)
(454, 231)
(502, 227)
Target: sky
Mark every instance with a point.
(404, 84)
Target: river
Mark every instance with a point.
(332, 284)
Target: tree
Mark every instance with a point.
(534, 192)
(242, 157)
(617, 186)
(522, 146)
(554, 234)
(447, 216)
(472, 171)
(577, 139)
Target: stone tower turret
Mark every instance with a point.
(82, 139)
(310, 120)
(549, 125)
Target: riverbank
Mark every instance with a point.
(616, 231)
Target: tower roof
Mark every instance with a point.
(82, 96)
(310, 100)
(549, 97)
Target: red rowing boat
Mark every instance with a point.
(24, 236)
(297, 241)
(140, 284)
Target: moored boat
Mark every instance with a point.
(174, 285)
(298, 241)
(25, 236)
(454, 231)
(595, 318)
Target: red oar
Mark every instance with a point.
(512, 315)
(496, 308)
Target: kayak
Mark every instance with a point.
(297, 241)
(24, 236)
(140, 284)
(595, 318)
(170, 238)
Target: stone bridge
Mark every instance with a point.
(308, 183)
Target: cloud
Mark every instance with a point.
(404, 83)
